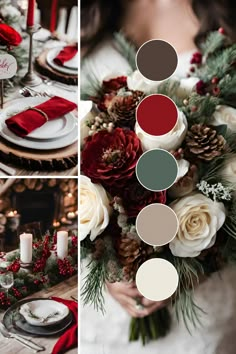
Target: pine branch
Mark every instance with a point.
(213, 42)
(206, 106)
(92, 87)
(126, 48)
(92, 290)
(189, 270)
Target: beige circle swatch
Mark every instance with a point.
(157, 224)
(157, 279)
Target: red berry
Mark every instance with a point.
(215, 80)
(221, 30)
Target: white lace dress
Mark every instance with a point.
(108, 334)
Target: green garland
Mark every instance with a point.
(47, 270)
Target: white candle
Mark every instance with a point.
(26, 248)
(62, 244)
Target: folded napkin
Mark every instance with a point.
(69, 339)
(25, 122)
(66, 54)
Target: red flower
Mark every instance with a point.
(135, 197)
(9, 36)
(114, 84)
(201, 87)
(196, 58)
(109, 91)
(110, 158)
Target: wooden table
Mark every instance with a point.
(65, 290)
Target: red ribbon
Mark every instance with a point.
(53, 16)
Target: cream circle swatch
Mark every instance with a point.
(157, 279)
(157, 224)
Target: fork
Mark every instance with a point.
(25, 342)
(29, 92)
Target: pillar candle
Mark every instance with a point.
(26, 248)
(30, 14)
(62, 244)
(53, 15)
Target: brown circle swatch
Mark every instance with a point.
(157, 279)
(157, 224)
(156, 60)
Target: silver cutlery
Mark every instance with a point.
(27, 343)
(49, 82)
(7, 170)
(29, 92)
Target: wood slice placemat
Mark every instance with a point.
(43, 68)
(39, 160)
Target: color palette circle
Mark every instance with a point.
(157, 114)
(156, 60)
(157, 170)
(157, 224)
(157, 279)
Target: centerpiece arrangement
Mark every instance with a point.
(38, 264)
(203, 197)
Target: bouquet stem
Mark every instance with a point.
(151, 327)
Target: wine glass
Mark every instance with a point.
(7, 280)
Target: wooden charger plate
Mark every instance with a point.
(39, 160)
(43, 68)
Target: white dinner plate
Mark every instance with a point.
(61, 133)
(44, 312)
(69, 70)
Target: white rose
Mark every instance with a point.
(85, 112)
(94, 208)
(229, 170)
(10, 11)
(169, 141)
(186, 87)
(199, 220)
(225, 115)
(183, 167)
(137, 82)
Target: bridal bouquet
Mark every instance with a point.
(203, 196)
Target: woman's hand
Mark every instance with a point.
(132, 301)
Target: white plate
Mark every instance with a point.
(63, 69)
(67, 135)
(44, 312)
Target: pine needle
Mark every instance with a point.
(126, 48)
(92, 291)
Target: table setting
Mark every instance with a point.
(38, 299)
(46, 82)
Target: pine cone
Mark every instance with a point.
(122, 108)
(203, 141)
(132, 252)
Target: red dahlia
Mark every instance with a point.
(114, 84)
(9, 36)
(109, 91)
(135, 197)
(110, 158)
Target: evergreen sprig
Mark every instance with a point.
(94, 284)
(126, 48)
(214, 41)
(189, 270)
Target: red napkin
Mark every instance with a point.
(25, 122)
(69, 339)
(66, 54)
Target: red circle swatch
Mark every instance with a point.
(157, 114)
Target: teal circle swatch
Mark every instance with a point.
(157, 170)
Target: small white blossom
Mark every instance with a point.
(215, 191)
